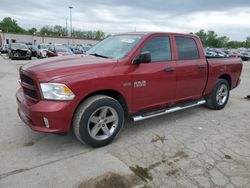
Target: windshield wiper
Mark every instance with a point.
(98, 55)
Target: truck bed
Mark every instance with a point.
(219, 67)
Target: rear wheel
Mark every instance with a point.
(98, 120)
(219, 96)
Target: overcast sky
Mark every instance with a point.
(225, 17)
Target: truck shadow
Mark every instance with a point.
(63, 142)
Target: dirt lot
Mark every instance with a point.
(197, 147)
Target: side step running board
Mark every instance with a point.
(168, 110)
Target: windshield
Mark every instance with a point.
(19, 46)
(62, 48)
(44, 46)
(115, 47)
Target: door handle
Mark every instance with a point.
(169, 69)
(202, 66)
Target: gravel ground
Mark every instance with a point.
(197, 147)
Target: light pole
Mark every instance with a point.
(70, 10)
(66, 33)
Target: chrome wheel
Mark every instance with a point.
(102, 123)
(222, 94)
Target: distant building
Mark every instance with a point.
(8, 38)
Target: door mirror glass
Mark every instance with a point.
(144, 57)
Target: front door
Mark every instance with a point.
(154, 83)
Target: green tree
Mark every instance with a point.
(32, 30)
(46, 31)
(99, 35)
(10, 25)
(59, 30)
(222, 41)
(211, 39)
(247, 43)
(203, 36)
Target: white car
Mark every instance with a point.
(42, 50)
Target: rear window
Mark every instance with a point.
(186, 48)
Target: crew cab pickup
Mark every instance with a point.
(136, 75)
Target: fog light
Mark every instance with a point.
(46, 122)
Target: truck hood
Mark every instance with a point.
(61, 66)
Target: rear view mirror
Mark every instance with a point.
(144, 57)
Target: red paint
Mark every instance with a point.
(85, 74)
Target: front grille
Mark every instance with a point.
(26, 79)
(30, 93)
(22, 53)
(29, 87)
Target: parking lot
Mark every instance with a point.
(197, 147)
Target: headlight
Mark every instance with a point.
(55, 91)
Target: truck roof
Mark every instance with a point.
(151, 33)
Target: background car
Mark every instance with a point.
(34, 50)
(4, 48)
(232, 53)
(58, 50)
(79, 48)
(42, 50)
(245, 55)
(19, 51)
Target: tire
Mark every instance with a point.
(39, 56)
(95, 117)
(244, 58)
(12, 57)
(219, 96)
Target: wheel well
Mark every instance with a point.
(114, 94)
(227, 78)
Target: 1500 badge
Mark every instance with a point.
(142, 83)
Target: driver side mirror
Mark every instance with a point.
(144, 57)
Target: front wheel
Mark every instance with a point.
(98, 120)
(12, 57)
(219, 96)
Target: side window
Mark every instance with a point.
(186, 48)
(159, 48)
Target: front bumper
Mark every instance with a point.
(43, 54)
(21, 55)
(58, 113)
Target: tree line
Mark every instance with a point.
(208, 38)
(9, 25)
(212, 40)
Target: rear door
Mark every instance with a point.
(191, 69)
(154, 82)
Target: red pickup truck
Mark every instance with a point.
(137, 75)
